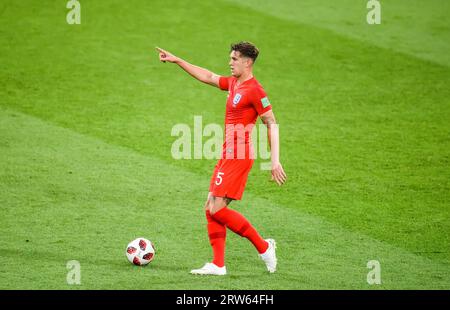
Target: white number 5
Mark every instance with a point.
(219, 178)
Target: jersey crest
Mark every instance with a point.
(236, 99)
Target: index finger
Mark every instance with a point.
(160, 50)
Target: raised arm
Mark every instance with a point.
(278, 174)
(201, 74)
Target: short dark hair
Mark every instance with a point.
(247, 49)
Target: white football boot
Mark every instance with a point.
(210, 269)
(269, 256)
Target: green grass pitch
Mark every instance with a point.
(86, 113)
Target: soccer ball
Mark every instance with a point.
(140, 251)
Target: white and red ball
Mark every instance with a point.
(140, 251)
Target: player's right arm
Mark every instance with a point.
(201, 74)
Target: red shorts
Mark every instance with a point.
(229, 178)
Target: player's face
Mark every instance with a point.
(238, 63)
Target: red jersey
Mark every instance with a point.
(244, 103)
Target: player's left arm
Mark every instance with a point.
(278, 174)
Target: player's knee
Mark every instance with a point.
(207, 204)
(217, 204)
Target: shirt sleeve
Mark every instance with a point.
(260, 101)
(224, 83)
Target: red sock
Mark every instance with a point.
(217, 233)
(241, 226)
